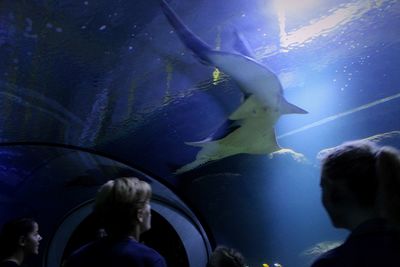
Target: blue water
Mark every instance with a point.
(113, 77)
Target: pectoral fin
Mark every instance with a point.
(246, 109)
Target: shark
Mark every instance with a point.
(251, 127)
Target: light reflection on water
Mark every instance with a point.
(328, 23)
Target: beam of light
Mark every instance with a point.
(340, 115)
(94, 120)
(169, 69)
(338, 17)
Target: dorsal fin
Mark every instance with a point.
(242, 45)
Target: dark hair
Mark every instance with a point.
(355, 164)
(388, 168)
(371, 172)
(226, 257)
(11, 233)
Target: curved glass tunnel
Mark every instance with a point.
(56, 185)
(92, 90)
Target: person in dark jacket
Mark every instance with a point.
(123, 207)
(360, 184)
(19, 238)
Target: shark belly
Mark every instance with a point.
(252, 77)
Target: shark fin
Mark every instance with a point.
(225, 129)
(289, 108)
(199, 143)
(246, 109)
(190, 166)
(242, 45)
(188, 38)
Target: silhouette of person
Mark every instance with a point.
(123, 206)
(360, 184)
(226, 257)
(19, 238)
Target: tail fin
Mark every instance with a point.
(189, 39)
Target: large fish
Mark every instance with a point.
(252, 123)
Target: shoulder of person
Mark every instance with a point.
(8, 263)
(152, 255)
(159, 261)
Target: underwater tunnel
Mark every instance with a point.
(58, 183)
(227, 131)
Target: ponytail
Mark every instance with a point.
(388, 171)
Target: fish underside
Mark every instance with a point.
(251, 125)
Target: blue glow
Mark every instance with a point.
(326, 24)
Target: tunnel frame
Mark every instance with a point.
(194, 235)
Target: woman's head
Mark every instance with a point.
(20, 235)
(353, 165)
(123, 205)
(355, 177)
